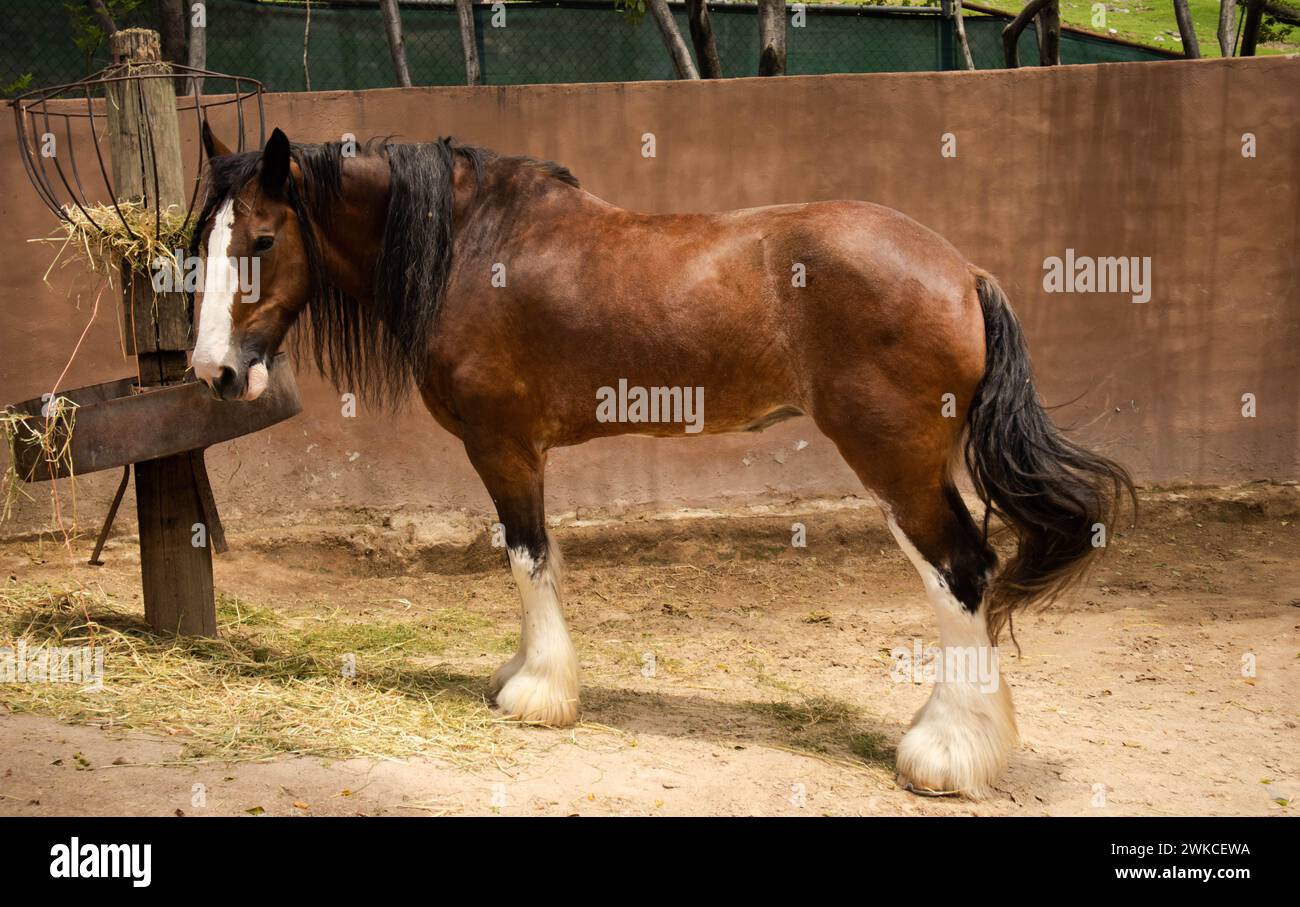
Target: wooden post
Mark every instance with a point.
(176, 575)
(175, 548)
(143, 131)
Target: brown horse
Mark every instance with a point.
(515, 302)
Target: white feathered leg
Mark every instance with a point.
(540, 683)
(961, 738)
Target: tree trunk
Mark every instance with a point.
(677, 49)
(102, 18)
(396, 46)
(198, 52)
(1048, 29)
(771, 37)
(1191, 47)
(171, 29)
(961, 35)
(706, 49)
(1250, 28)
(469, 42)
(1227, 26)
(1011, 34)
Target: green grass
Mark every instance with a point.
(1147, 21)
(823, 725)
(1143, 21)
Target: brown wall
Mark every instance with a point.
(1140, 159)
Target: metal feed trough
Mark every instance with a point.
(158, 421)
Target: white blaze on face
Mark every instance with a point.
(220, 281)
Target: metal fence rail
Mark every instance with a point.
(521, 42)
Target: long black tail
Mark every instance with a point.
(1051, 492)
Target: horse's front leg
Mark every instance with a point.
(540, 683)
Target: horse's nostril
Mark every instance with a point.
(225, 380)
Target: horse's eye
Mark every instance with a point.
(263, 243)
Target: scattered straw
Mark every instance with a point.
(263, 689)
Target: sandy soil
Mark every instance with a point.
(771, 690)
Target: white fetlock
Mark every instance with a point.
(959, 742)
(543, 695)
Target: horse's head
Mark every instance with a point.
(256, 274)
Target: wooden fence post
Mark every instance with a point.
(175, 526)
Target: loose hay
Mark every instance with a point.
(52, 434)
(98, 238)
(262, 689)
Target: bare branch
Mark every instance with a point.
(102, 18)
(673, 40)
(1227, 27)
(306, 41)
(1250, 28)
(396, 46)
(706, 48)
(1011, 34)
(961, 35)
(1191, 47)
(469, 43)
(1047, 26)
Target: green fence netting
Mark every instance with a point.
(518, 42)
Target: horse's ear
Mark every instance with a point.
(275, 162)
(211, 144)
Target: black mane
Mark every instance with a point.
(373, 351)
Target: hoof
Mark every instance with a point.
(539, 698)
(960, 751)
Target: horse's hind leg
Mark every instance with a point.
(961, 738)
(540, 683)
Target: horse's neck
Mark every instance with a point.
(353, 234)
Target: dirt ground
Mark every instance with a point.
(726, 671)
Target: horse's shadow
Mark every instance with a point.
(817, 727)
